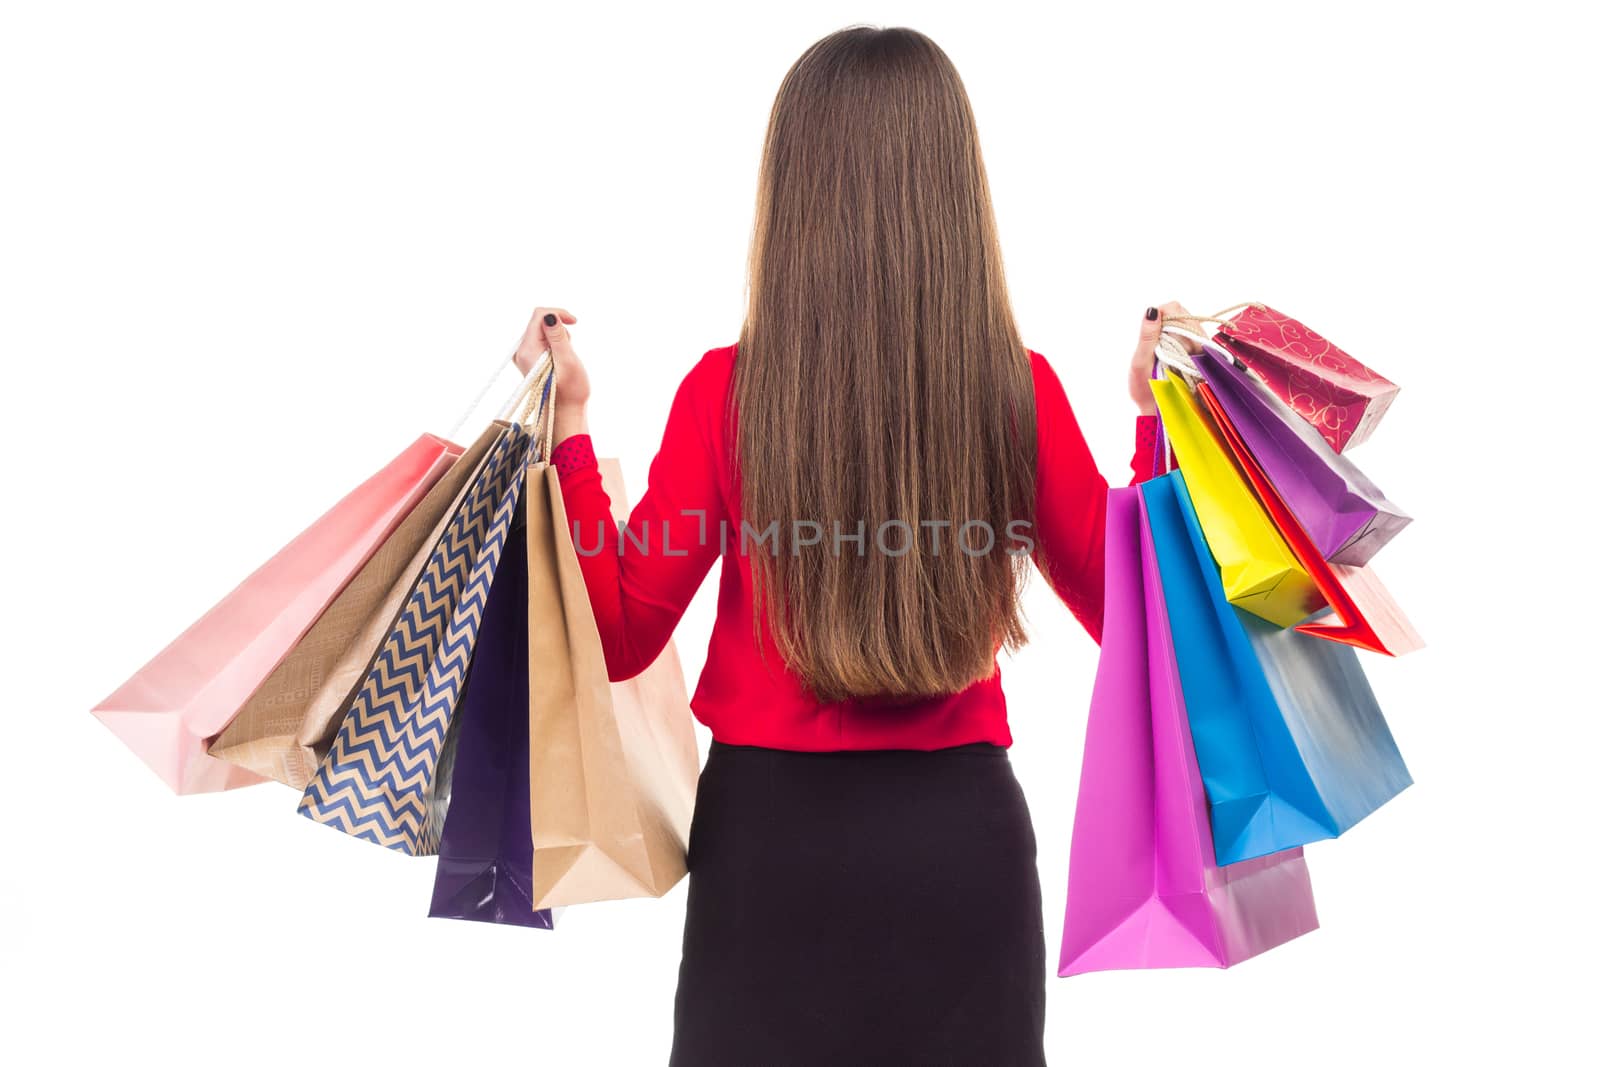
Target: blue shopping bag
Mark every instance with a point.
(1291, 743)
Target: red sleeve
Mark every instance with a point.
(641, 578)
(1071, 499)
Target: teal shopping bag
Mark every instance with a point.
(1291, 743)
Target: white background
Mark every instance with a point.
(250, 251)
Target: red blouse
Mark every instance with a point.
(640, 579)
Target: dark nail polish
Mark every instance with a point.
(550, 320)
(1151, 314)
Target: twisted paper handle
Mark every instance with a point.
(538, 408)
(1219, 318)
(1171, 352)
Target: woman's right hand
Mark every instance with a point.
(547, 332)
(1144, 354)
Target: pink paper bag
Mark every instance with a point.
(1143, 887)
(1323, 383)
(168, 712)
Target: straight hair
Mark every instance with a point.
(880, 377)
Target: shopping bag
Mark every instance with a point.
(486, 848)
(1361, 611)
(485, 870)
(1291, 743)
(1259, 572)
(1347, 517)
(1324, 384)
(285, 728)
(376, 780)
(1143, 888)
(612, 768)
(168, 711)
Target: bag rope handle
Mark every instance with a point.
(499, 369)
(1218, 318)
(1173, 360)
(538, 416)
(1171, 351)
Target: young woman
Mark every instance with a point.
(874, 461)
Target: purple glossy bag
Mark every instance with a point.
(485, 870)
(1347, 517)
(1143, 888)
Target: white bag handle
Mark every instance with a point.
(511, 404)
(1170, 350)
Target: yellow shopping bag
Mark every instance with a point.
(1259, 572)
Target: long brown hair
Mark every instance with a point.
(880, 378)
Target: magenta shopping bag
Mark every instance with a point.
(168, 712)
(1143, 888)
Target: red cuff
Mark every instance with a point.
(573, 454)
(1145, 432)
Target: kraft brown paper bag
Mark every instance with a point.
(285, 728)
(612, 767)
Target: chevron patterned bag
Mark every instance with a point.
(376, 779)
(379, 775)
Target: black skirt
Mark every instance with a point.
(861, 908)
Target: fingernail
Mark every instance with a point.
(1151, 314)
(550, 319)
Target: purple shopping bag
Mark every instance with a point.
(1143, 888)
(1346, 516)
(485, 870)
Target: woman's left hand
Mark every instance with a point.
(547, 332)
(1144, 354)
